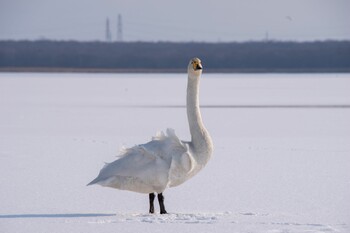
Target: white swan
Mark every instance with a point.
(166, 161)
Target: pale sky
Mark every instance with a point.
(176, 20)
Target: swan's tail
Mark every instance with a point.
(95, 181)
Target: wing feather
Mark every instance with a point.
(150, 166)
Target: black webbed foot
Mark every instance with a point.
(161, 203)
(151, 205)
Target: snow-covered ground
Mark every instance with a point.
(281, 161)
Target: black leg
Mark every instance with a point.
(151, 199)
(161, 203)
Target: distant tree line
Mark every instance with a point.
(247, 56)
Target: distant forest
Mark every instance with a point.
(270, 56)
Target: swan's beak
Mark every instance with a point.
(198, 67)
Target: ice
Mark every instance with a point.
(274, 169)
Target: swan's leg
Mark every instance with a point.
(161, 203)
(151, 199)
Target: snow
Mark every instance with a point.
(274, 169)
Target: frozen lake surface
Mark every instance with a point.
(281, 161)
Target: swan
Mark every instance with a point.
(165, 161)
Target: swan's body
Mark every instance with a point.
(165, 161)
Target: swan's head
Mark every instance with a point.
(195, 67)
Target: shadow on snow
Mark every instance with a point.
(73, 215)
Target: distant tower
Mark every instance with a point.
(267, 39)
(120, 28)
(108, 31)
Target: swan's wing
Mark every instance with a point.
(166, 146)
(147, 167)
(177, 154)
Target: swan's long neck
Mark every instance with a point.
(200, 138)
